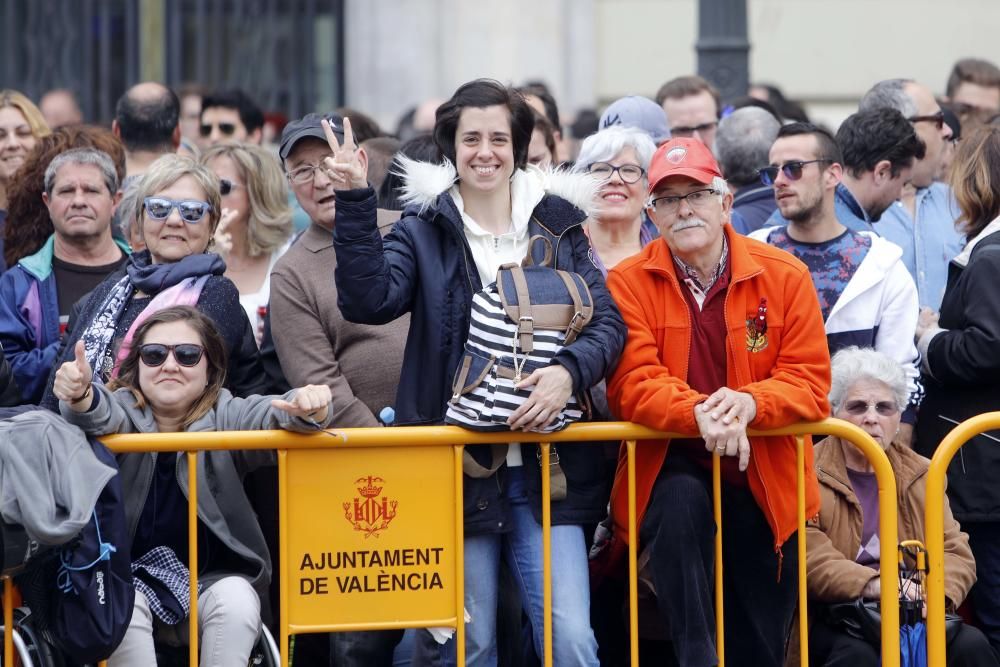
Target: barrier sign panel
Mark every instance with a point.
(371, 535)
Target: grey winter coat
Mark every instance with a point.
(223, 506)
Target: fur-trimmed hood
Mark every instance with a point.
(424, 182)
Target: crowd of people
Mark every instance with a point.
(194, 268)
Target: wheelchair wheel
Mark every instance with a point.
(265, 651)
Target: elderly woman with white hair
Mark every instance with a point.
(618, 157)
(868, 389)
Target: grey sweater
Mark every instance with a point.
(222, 504)
(316, 345)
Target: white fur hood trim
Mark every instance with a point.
(423, 182)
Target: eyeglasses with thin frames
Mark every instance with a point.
(671, 204)
(682, 131)
(791, 170)
(884, 408)
(303, 174)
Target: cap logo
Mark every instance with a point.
(676, 155)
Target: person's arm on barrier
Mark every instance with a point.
(642, 389)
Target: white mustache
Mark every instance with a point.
(687, 224)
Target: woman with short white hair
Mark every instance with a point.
(619, 157)
(869, 390)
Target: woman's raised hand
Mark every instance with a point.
(73, 378)
(310, 402)
(345, 167)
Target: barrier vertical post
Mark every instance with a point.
(192, 461)
(720, 630)
(284, 645)
(633, 558)
(459, 561)
(801, 508)
(546, 555)
(8, 621)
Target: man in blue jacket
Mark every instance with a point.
(37, 295)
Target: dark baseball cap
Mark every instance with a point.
(309, 126)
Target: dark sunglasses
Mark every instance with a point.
(226, 186)
(191, 210)
(185, 354)
(937, 119)
(792, 170)
(226, 129)
(884, 408)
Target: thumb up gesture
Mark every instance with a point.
(72, 383)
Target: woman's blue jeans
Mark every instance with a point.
(573, 642)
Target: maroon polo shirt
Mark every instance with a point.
(707, 365)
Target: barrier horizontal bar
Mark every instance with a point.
(422, 436)
(296, 629)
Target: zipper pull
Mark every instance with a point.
(496, 242)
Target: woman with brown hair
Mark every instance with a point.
(30, 226)
(21, 126)
(960, 347)
(171, 381)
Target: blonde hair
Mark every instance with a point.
(36, 121)
(167, 170)
(269, 225)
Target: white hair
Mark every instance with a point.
(862, 363)
(603, 146)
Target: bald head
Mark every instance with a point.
(60, 108)
(146, 118)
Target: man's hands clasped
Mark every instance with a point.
(722, 421)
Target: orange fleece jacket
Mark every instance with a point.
(788, 375)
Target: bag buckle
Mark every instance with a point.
(525, 325)
(553, 456)
(573, 323)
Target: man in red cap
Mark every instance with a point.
(725, 334)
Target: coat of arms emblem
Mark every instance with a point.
(370, 512)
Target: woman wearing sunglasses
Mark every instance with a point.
(178, 210)
(171, 380)
(256, 223)
(868, 389)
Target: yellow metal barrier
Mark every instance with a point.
(937, 475)
(285, 442)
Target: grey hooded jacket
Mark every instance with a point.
(223, 506)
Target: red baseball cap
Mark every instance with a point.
(683, 157)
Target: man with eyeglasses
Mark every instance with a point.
(229, 115)
(37, 295)
(866, 296)
(692, 107)
(922, 222)
(724, 334)
(360, 363)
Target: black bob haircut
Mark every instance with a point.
(480, 94)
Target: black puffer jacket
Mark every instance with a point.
(425, 267)
(964, 380)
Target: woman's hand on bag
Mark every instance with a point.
(348, 167)
(310, 402)
(73, 379)
(553, 386)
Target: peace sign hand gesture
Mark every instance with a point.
(348, 167)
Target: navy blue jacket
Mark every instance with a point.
(425, 267)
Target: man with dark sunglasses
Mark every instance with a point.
(922, 222)
(866, 296)
(229, 115)
(692, 107)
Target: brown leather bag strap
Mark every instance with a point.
(476, 470)
(582, 314)
(546, 259)
(557, 478)
(525, 323)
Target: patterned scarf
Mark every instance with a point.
(175, 284)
